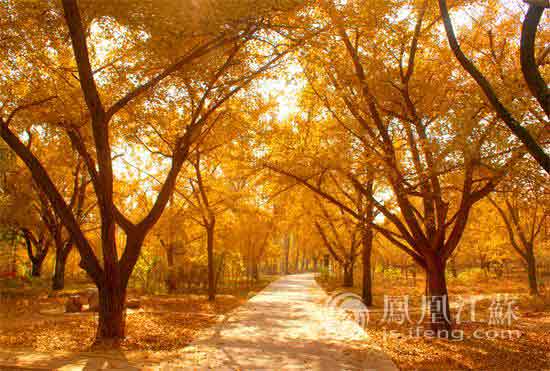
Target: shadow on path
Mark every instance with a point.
(286, 326)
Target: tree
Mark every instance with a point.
(345, 232)
(37, 249)
(62, 240)
(427, 142)
(530, 68)
(316, 171)
(94, 144)
(523, 206)
(24, 217)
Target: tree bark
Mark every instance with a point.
(255, 274)
(348, 275)
(437, 296)
(367, 237)
(112, 316)
(529, 67)
(170, 254)
(532, 272)
(536, 151)
(36, 267)
(41, 247)
(366, 257)
(210, 251)
(58, 280)
(286, 249)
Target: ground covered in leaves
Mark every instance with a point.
(35, 320)
(481, 343)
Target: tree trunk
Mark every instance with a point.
(170, 255)
(367, 237)
(112, 316)
(287, 253)
(255, 275)
(437, 298)
(58, 280)
(297, 261)
(366, 257)
(532, 272)
(36, 267)
(210, 250)
(348, 275)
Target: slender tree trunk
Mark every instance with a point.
(348, 275)
(210, 250)
(255, 274)
(58, 280)
(112, 316)
(287, 253)
(366, 258)
(532, 272)
(297, 262)
(437, 298)
(170, 254)
(367, 237)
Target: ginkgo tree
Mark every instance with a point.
(522, 204)
(434, 149)
(93, 126)
(532, 137)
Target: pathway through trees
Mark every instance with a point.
(286, 326)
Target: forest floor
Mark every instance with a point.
(35, 331)
(35, 319)
(285, 326)
(508, 330)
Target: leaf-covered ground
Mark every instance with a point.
(152, 328)
(32, 319)
(524, 344)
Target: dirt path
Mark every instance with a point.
(285, 327)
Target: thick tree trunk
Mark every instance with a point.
(112, 316)
(58, 280)
(348, 275)
(437, 298)
(210, 251)
(532, 272)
